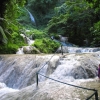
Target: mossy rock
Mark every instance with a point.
(30, 50)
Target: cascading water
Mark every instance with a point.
(31, 16)
(19, 72)
(68, 49)
(28, 41)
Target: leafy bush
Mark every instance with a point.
(95, 30)
(43, 10)
(36, 34)
(8, 49)
(17, 39)
(46, 45)
(39, 34)
(72, 19)
(12, 46)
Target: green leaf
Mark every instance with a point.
(4, 38)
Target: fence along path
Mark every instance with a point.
(38, 73)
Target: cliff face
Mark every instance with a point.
(18, 72)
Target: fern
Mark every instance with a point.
(4, 38)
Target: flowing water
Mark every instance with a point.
(31, 16)
(67, 49)
(18, 76)
(27, 41)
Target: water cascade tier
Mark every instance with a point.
(67, 49)
(18, 76)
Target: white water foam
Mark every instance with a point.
(4, 89)
(20, 51)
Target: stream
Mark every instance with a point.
(18, 76)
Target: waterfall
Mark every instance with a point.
(31, 16)
(19, 71)
(20, 51)
(67, 49)
(18, 76)
(27, 41)
(71, 67)
(4, 89)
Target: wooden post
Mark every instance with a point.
(96, 95)
(37, 80)
(61, 49)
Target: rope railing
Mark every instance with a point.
(38, 73)
(96, 95)
(50, 59)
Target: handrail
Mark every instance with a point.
(95, 91)
(92, 96)
(66, 83)
(48, 60)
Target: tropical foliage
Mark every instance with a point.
(46, 45)
(42, 10)
(9, 25)
(36, 34)
(79, 20)
(73, 19)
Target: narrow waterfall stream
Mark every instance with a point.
(31, 16)
(18, 76)
(28, 41)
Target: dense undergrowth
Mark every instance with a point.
(75, 19)
(46, 45)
